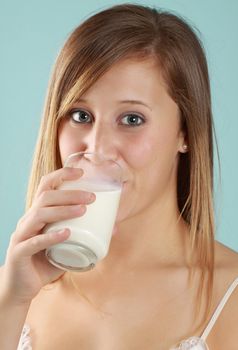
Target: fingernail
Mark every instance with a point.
(79, 170)
(79, 209)
(91, 197)
(60, 232)
(75, 170)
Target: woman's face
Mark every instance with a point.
(128, 115)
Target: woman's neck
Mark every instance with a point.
(157, 237)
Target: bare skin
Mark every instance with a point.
(141, 287)
(139, 309)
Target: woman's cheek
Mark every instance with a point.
(68, 141)
(141, 151)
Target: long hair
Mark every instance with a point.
(131, 30)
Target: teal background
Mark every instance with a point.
(31, 34)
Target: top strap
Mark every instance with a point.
(219, 309)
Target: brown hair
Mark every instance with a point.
(137, 31)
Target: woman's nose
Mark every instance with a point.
(101, 139)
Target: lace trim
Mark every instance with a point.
(193, 343)
(25, 340)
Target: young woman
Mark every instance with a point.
(132, 83)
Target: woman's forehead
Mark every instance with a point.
(130, 78)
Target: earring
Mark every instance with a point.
(185, 147)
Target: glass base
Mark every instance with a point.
(71, 256)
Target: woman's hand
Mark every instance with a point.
(26, 269)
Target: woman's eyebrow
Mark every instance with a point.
(136, 102)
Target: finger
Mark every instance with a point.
(64, 197)
(53, 273)
(53, 180)
(36, 220)
(40, 242)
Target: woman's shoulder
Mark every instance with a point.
(226, 258)
(225, 273)
(225, 267)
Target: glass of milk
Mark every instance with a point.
(91, 233)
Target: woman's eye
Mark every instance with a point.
(81, 116)
(132, 120)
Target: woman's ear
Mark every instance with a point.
(184, 148)
(183, 142)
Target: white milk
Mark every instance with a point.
(92, 230)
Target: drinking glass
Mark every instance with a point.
(91, 233)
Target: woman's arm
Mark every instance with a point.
(26, 269)
(12, 318)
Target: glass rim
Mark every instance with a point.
(101, 157)
(88, 152)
